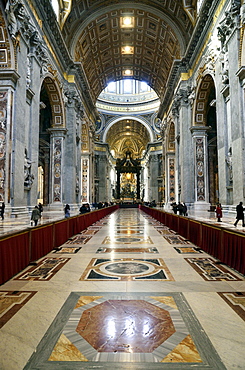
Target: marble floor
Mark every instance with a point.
(173, 306)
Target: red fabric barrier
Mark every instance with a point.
(228, 247)
(184, 227)
(61, 234)
(175, 223)
(195, 235)
(14, 255)
(234, 251)
(41, 240)
(211, 240)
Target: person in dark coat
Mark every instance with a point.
(35, 216)
(2, 208)
(184, 209)
(239, 214)
(67, 211)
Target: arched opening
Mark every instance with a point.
(205, 116)
(45, 122)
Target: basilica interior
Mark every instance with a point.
(135, 105)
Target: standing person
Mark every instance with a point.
(218, 211)
(35, 216)
(239, 214)
(2, 210)
(40, 207)
(67, 211)
(184, 209)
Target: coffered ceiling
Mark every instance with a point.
(144, 49)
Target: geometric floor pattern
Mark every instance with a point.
(144, 329)
(126, 269)
(127, 250)
(186, 250)
(44, 270)
(236, 300)
(11, 303)
(144, 322)
(208, 269)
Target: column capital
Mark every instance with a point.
(199, 130)
(57, 131)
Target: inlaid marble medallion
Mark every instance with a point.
(176, 239)
(127, 250)
(166, 232)
(208, 269)
(79, 239)
(186, 250)
(44, 270)
(125, 331)
(11, 302)
(70, 250)
(89, 232)
(127, 240)
(236, 300)
(126, 269)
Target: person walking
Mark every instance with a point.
(67, 211)
(239, 214)
(2, 210)
(35, 216)
(185, 213)
(218, 211)
(40, 207)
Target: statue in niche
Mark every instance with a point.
(28, 176)
(225, 67)
(228, 160)
(11, 18)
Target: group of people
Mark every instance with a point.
(85, 208)
(181, 208)
(239, 213)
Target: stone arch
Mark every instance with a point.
(205, 117)
(170, 147)
(51, 119)
(8, 50)
(202, 100)
(112, 122)
(56, 101)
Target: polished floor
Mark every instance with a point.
(127, 293)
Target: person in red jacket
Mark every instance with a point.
(218, 211)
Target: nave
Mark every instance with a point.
(172, 307)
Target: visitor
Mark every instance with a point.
(218, 211)
(2, 208)
(67, 211)
(40, 207)
(239, 214)
(184, 208)
(35, 216)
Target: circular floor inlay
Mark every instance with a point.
(130, 268)
(128, 240)
(127, 268)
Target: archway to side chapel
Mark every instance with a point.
(205, 115)
(50, 116)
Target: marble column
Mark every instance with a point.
(58, 172)
(199, 137)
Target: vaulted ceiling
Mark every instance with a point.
(158, 35)
(128, 135)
